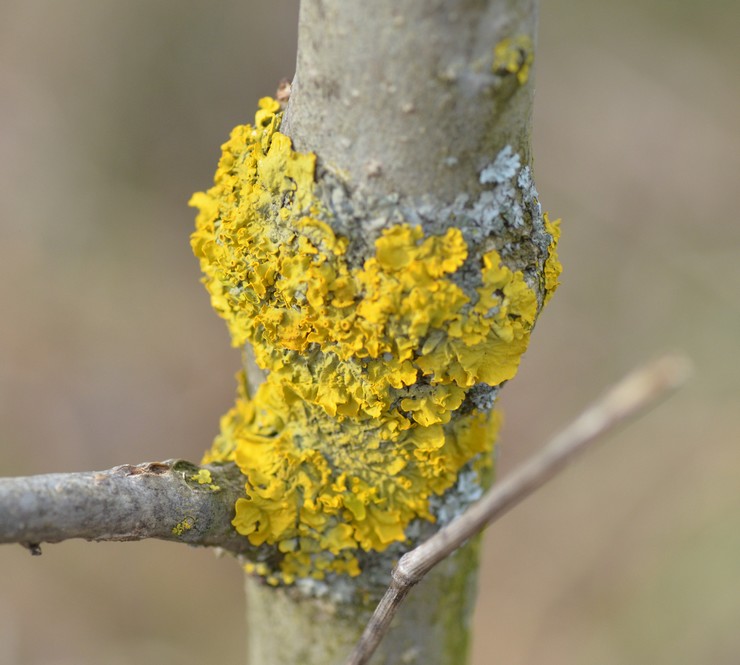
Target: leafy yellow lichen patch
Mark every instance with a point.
(183, 526)
(353, 429)
(552, 264)
(514, 55)
(203, 477)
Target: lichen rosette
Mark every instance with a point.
(363, 416)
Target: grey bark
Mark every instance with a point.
(286, 627)
(156, 500)
(400, 94)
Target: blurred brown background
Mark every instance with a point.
(112, 113)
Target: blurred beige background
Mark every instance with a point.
(111, 114)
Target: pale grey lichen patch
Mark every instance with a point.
(503, 169)
(531, 198)
(350, 209)
(486, 213)
(376, 571)
(455, 501)
(505, 216)
(338, 589)
(526, 186)
(482, 396)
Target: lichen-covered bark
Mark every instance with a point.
(380, 249)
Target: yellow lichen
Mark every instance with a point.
(514, 55)
(203, 477)
(353, 429)
(552, 264)
(181, 527)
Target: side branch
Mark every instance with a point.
(173, 500)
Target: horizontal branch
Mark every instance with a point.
(173, 500)
(632, 395)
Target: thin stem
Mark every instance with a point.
(632, 395)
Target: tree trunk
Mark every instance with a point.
(433, 626)
(403, 95)
(381, 250)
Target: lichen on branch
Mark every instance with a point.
(378, 359)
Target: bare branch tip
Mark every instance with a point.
(654, 380)
(674, 370)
